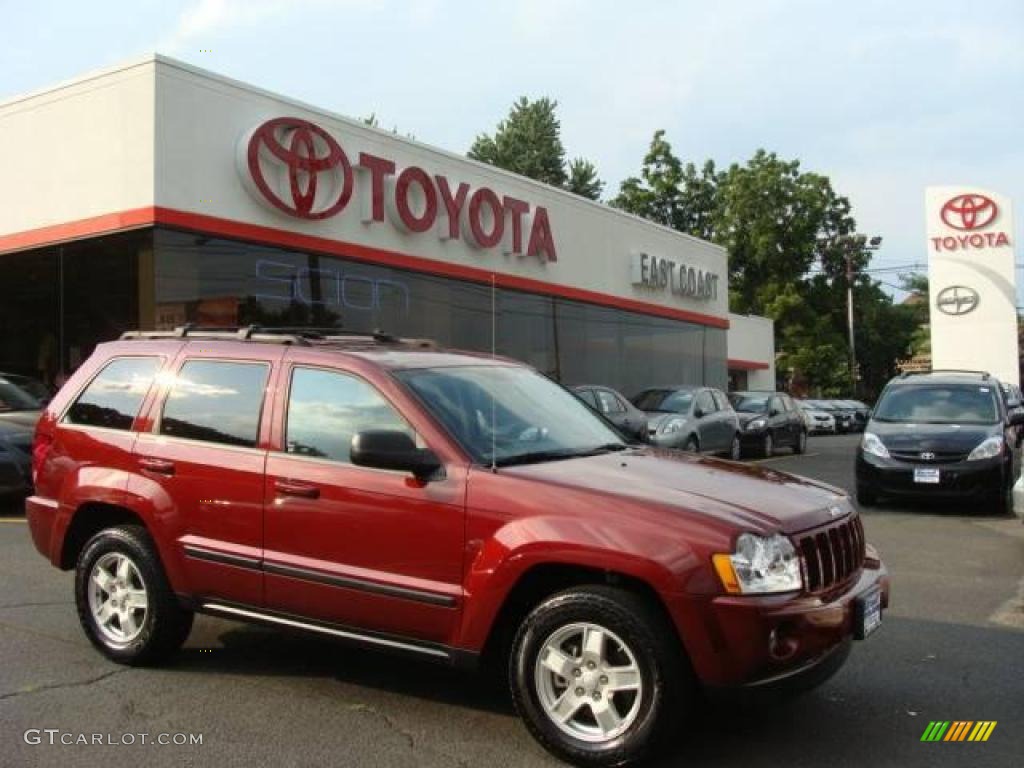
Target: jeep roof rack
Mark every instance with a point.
(984, 374)
(299, 336)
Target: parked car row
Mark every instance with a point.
(704, 419)
(835, 416)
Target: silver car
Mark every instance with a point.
(697, 419)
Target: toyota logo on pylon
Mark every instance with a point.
(969, 211)
(298, 168)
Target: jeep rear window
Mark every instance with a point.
(113, 398)
(216, 401)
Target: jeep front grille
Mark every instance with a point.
(832, 554)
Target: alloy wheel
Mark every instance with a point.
(118, 600)
(588, 682)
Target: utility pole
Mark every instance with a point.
(852, 244)
(849, 321)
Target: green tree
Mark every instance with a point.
(789, 235)
(529, 142)
(671, 193)
(583, 179)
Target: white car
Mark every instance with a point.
(818, 422)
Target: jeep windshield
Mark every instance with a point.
(939, 404)
(507, 415)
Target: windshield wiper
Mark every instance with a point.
(534, 457)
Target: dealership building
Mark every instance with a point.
(157, 194)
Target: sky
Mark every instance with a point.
(885, 98)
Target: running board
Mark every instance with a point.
(247, 614)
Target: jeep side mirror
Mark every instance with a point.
(698, 413)
(392, 449)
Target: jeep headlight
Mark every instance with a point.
(756, 424)
(760, 565)
(987, 449)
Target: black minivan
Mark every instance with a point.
(945, 434)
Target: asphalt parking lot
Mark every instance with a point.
(951, 648)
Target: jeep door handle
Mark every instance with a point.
(292, 488)
(159, 466)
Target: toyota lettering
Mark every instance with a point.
(968, 213)
(300, 170)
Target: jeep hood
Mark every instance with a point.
(747, 497)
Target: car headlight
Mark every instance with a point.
(870, 443)
(987, 449)
(756, 424)
(672, 425)
(760, 565)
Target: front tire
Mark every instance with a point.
(736, 448)
(691, 445)
(767, 446)
(125, 603)
(596, 674)
(800, 446)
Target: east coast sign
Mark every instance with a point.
(683, 280)
(301, 170)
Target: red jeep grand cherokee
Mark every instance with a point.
(448, 505)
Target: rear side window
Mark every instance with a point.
(113, 398)
(326, 409)
(216, 401)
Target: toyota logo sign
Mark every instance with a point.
(957, 300)
(969, 212)
(299, 168)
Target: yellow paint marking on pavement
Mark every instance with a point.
(12, 520)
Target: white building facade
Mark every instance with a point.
(157, 194)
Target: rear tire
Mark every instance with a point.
(125, 604)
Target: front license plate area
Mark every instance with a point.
(867, 613)
(927, 476)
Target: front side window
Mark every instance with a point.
(510, 415)
(326, 408)
(216, 401)
(705, 403)
(939, 404)
(113, 398)
(609, 402)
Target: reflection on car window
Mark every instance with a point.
(113, 398)
(705, 403)
(939, 404)
(326, 409)
(506, 414)
(216, 401)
